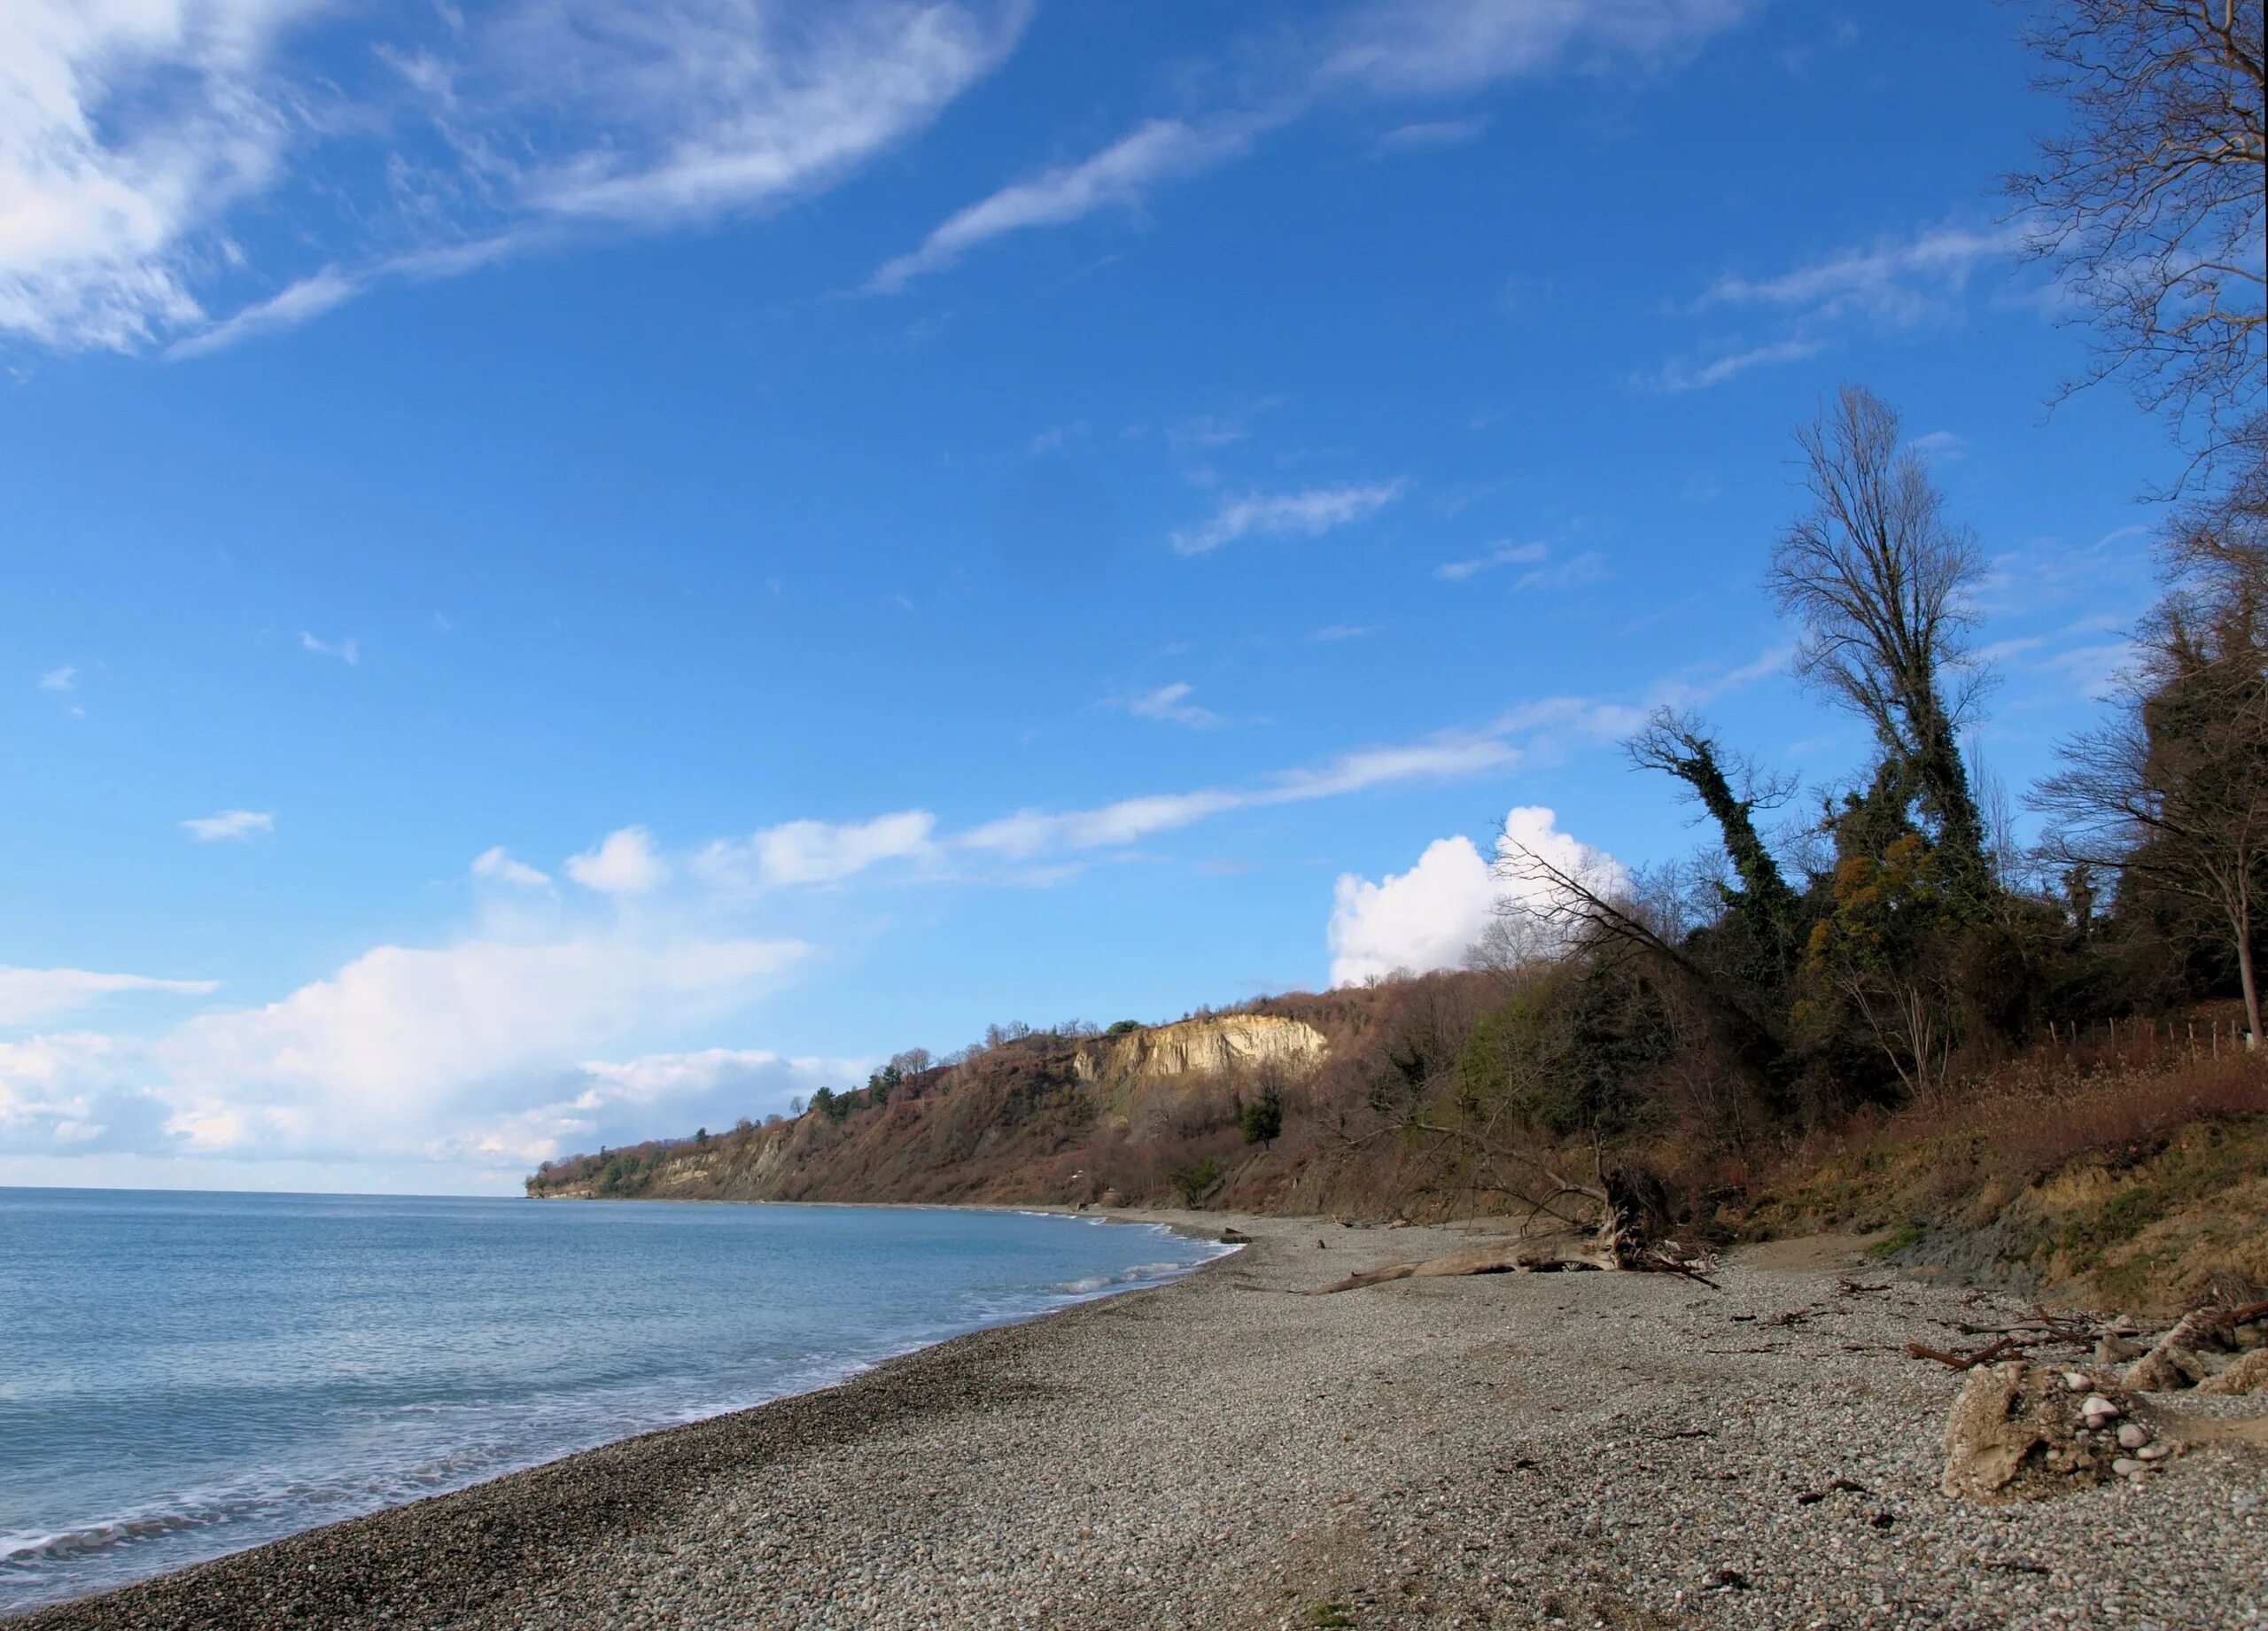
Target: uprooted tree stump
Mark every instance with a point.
(2196, 1354)
(1622, 1241)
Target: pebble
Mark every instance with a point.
(1584, 1449)
(2133, 1435)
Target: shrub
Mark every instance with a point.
(1196, 1180)
(1262, 1120)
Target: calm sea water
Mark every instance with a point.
(185, 1375)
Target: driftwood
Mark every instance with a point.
(2006, 1347)
(1613, 1246)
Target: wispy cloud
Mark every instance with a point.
(1940, 447)
(1896, 284)
(528, 124)
(807, 852)
(35, 996)
(345, 650)
(1505, 554)
(1118, 177)
(498, 865)
(63, 679)
(1899, 283)
(1682, 374)
(1202, 432)
(230, 824)
(1435, 133)
(1391, 49)
(1588, 566)
(1309, 513)
(1331, 632)
(1170, 705)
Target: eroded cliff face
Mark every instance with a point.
(1201, 1047)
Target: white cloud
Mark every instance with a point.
(1309, 513)
(498, 863)
(1118, 177)
(35, 996)
(1169, 705)
(1344, 631)
(1587, 567)
(1423, 918)
(63, 679)
(230, 824)
(604, 1102)
(625, 862)
(1399, 47)
(130, 135)
(1435, 133)
(816, 852)
(123, 128)
(345, 650)
(1394, 49)
(295, 303)
(1898, 283)
(1029, 833)
(1430, 916)
(1506, 553)
(1940, 447)
(1682, 374)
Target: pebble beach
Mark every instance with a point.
(1587, 1449)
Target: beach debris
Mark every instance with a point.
(1235, 1237)
(2017, 1429)
(2178, 1360)
(1992, 1352)
(1612, 1246)
(2248, 1375)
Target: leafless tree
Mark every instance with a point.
(2153, 200)
(1878, 577)
(2173, 792)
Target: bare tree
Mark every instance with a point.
(1878, 577)
(2173, 793)
(2153, 200)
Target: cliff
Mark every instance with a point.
(1148, 1113)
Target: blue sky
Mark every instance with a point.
(574, 571)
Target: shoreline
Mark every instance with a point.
(1209, 1453)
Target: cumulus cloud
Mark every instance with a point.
(1309, 513)
(230, 824)
(1432, 916)
(35, 996)
(63, 679)
(625, 862)
(498, 865)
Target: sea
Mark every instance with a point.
(183, 1375)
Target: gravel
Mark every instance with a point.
(1588, 1450)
